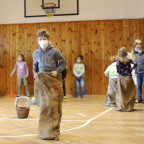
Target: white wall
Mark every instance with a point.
(12, 11)
(133, 8)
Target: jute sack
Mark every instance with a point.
(111, 93)
(125, 96)
(49, 96)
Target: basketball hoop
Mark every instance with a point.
(49, 9)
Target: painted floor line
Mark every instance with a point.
(85, 124)
(28, 135)
(89, 121)
(81, 114)
(3, 119)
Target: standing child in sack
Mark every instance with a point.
(22, 74)
(125, 96)
(48, 63)
(111, 73)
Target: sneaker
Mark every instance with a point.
(138, 101)
(17, 96)
(64, 97)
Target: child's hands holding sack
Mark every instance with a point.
(54, 73)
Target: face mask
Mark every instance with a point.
(138, 41)
(139, 51)
(136, 50)
(19, 59)
(78, 61)
(43, 44)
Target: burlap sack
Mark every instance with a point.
(125, 96)
(111, 94)
(49, 96)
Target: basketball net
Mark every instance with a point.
(49, 9)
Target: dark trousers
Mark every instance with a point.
(64, 89)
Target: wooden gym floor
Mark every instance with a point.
(83, 122)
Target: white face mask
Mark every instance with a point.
(140, 51)
(136, 50)
(43, 43)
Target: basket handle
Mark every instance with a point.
(22, 97)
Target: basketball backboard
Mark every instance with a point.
(33, 8)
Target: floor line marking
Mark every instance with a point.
(19, 136)
(81, 114)
(87, 122)
(1, 119)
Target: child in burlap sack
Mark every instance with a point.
(48, 63)
(125, 96)
(111, 73)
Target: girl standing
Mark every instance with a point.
(125, 96)
(22, 73)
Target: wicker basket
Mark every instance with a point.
(22, 112)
